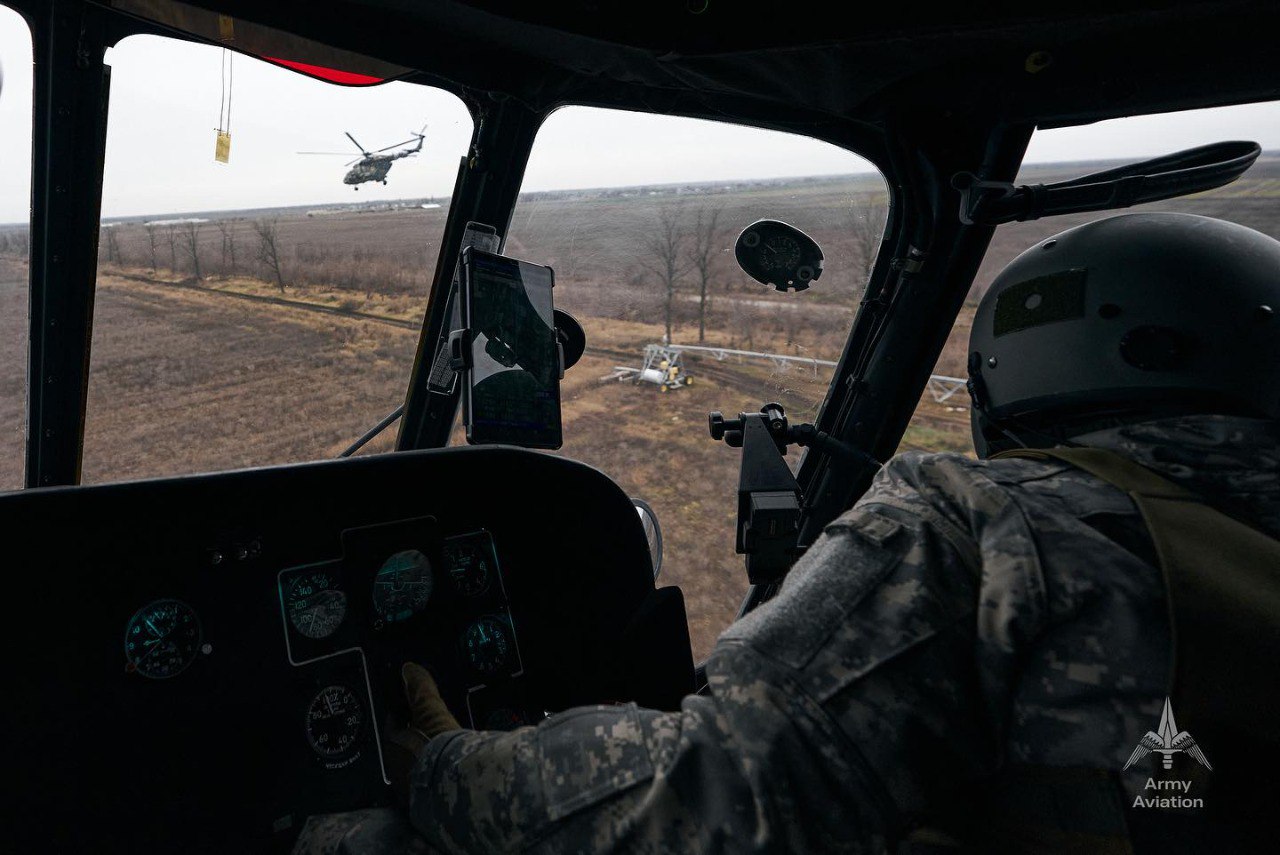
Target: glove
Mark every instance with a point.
(428, 717)
(427, 712)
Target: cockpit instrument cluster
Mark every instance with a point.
(242, 635)
(401, 591)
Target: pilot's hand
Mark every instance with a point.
(428, 717)
(427, 712)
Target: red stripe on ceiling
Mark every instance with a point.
(333, 75)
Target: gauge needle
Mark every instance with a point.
(145, 655)
(152, 626)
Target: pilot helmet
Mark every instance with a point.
(1126, 319)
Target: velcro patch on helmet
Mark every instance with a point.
(1042, 300)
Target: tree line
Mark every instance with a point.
(680, 245)
(184, 247)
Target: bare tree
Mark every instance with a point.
(113, 244)
(702, 256)
(152, 240)
(663, 256)
(268, 249)
(191, 245)
(228, 245)
(171, 232)
(868, 232)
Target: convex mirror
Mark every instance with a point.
(778, 254)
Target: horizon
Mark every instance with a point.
(408, 202)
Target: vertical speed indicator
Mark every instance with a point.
(334, 721)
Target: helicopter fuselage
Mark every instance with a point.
(369, 169)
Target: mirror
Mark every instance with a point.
(652, 533)
(572, 338)
(778, 254)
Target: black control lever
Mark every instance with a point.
(769, 497)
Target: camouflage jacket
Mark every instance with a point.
(963, 616)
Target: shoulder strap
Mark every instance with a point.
(1120, 472)
(1223, 582)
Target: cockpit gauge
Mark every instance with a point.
(469, 566)
(162, 639)
(403, 586)
(315, 604)
(334, 721)
(779, 252)
(487, 645)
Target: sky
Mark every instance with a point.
(166, 95)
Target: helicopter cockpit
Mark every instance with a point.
(253, 465)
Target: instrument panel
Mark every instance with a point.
(402, 587)
(231, 644)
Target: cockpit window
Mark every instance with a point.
(15, 206)
(638, 215)
(265, 309)
(941, 420)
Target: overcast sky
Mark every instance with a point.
(165, 106)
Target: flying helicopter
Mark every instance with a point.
(374, 165)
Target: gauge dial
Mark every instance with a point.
(334, 721)
(315, 604)
(487, 645)
(468, 562)
(162, 639)
(780, 252)
(403, 586)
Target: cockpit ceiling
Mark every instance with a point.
(277, 46)
(784, 65)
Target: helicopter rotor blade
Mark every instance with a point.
(350, 162)
(334, 153)
(357, 144)
(397, 145)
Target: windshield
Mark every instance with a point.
(263, 309)
(15, 201)
(639, 214)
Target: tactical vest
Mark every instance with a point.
(1222, 580)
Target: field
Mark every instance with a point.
(243, 367)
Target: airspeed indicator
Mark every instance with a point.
(315, 604)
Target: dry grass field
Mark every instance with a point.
(192, 374)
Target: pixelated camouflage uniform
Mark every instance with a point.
(965, 617)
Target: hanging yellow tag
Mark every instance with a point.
(226, 28)
(222, 151)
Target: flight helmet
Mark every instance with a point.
(1126, 319)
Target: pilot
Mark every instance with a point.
(971, 654)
